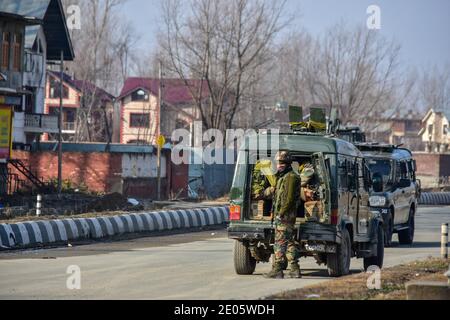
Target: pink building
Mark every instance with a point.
(139, 109)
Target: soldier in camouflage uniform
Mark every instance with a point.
(261, 185)
(286, 200)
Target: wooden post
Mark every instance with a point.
(444, 241)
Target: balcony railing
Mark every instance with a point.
(41, 123)
(68, 126)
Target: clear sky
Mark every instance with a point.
(421, 27)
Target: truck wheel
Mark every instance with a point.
(378, 259)
(244, 263)
(388, 230)
(339, 263)
(406, 236)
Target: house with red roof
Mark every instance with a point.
(97, 104)
(139, 108)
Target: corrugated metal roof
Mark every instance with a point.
(54, 21)
(84, 86)
(28, 8)
(175, 91)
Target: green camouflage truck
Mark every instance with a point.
(333, 226)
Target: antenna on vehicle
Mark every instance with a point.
(333, 122)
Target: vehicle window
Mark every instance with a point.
(404, 170)
(342, 173)
(352, 175)
(360, 170)
(411, 174)
(381, 166)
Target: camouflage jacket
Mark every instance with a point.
(287, 197)
(261, 183)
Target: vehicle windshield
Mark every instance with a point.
(381, 166)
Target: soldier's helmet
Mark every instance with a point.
(283, 157)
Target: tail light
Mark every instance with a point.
(235, 212)
(334, 216)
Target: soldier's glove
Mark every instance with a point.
(269, 192)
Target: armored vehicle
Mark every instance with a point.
(395, 191)
(334, 222)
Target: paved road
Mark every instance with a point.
(184, 266)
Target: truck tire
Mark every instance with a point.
(406, 236)
(388, 230)
(244, 263)
(378, 259)
(338, 263)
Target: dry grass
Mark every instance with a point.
(354, 287)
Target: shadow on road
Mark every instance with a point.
(415, 245)
(313, 273)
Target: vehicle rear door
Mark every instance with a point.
(322, 168)
(363, 198)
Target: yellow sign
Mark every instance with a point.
(5, 132)
(161, 141)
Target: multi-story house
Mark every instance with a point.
(140, 120)
(435, 132)
(87, 110)
(31, 34)
(400, 128)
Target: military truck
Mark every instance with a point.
(332, 226)
(396, 189)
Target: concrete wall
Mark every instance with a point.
(133, 174)
(432, 167)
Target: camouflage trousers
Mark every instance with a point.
(285, 248)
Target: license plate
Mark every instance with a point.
(315, 247)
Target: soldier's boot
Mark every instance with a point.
(295, 272)
(275, 273)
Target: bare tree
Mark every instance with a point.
(103, 48)
(353, 69)
(217, 47)
(435, 88)
(295, 57)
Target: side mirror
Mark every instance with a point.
(404, 183)
(377, 182)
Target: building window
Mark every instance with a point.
(139, 95)
(430, 129)
(55, 89)
(17, 52)
(139, 120)
(5, 50)
(445, 131)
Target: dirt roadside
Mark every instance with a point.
(354, 287)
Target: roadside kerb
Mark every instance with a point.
(37, 233)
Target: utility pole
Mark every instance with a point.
(160, 139)
(60, 123)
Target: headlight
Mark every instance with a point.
(377, 201)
